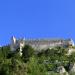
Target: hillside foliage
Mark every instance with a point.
(44, 62)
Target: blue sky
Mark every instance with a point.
(36, 19)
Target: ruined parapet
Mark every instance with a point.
(43, 43)
(49, 43)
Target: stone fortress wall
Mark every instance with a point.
(39, 44)
(45, 43)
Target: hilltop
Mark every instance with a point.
(20, 57)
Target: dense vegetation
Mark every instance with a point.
(32, 62)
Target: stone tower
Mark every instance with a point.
(17, 44)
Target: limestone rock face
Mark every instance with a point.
(62, 70)
(72, 67)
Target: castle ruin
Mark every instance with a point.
(39, 44)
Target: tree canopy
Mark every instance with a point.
(45, 62)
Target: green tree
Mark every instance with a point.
(27, 52)
(34, 68)
(71, 58)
